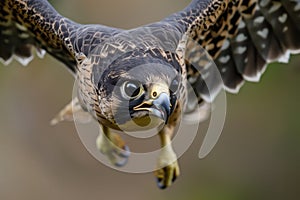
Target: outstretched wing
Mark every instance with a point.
(241, 36)
(26, 25)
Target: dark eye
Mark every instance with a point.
(131, 89)
(174, 85)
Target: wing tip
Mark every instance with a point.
(236, 89)
(40, 53)
(24, 61)
(255, 78)
(6, 62)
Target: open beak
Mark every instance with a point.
(159, 103)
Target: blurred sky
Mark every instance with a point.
(257, 156)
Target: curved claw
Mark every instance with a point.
(121, 157)
(167, 175)
(160, 184)
(160, 181)
(125, 153)
(118, 157)
(114, 148)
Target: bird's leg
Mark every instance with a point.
(113, 146)
(168, 169)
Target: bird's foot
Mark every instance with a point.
(71, 112)
(114, 148)
(168, 168)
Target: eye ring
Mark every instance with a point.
(131, 89)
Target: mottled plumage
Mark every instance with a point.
(131, 75)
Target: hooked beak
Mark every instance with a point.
(158, 105)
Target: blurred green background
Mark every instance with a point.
(257, 156)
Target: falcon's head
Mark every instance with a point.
(139, 90)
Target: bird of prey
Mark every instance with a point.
(128, 77)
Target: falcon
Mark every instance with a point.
(137, 79)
